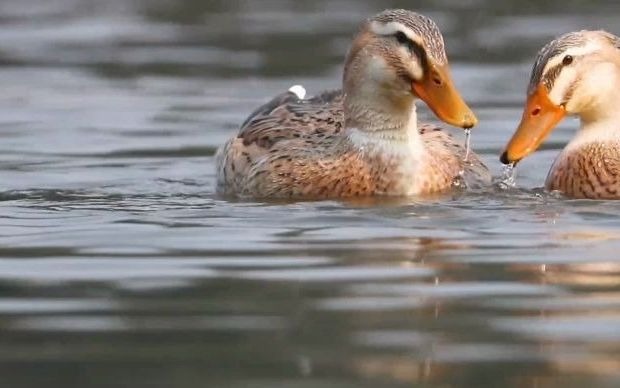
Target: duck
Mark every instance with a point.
(577, 74)
(363, 140)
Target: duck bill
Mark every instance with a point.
(540, 117)
(437, 90)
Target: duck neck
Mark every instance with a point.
(601, 126)
(382, 124)
(596, 100)
(603, 113)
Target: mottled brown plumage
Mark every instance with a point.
(297, 149)
(590, 171)
(362, 141)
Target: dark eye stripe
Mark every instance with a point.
(414, 48)
(552, 74)
(402, 38)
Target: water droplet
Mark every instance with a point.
(467, 144)
(509, 176)
(459, 180)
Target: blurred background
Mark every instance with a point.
(119, 266)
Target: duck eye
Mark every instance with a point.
(567, 60)
(402, 38)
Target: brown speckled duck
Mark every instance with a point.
(576, 74)
(363, 140)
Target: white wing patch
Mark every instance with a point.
(299, 91)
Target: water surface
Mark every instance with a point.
(120, 267)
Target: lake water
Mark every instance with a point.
(119, 267)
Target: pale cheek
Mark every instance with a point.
(413, 65)
(562, 85)
(377, 70)
(416, 70)
(596, 91)
(384, 77)
(578, 102)
(604, 80)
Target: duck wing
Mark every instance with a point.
(450, 153)
(287, 117)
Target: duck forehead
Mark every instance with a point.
(391, 28)
(418, 28)
(549, 60)
(587, 47)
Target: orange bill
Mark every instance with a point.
(540, 116)
(437, 90)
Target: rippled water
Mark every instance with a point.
(120, 267)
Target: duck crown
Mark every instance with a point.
(417, 27)
(552, 58)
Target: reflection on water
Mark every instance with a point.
(119, 266)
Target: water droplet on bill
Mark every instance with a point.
(467, 144)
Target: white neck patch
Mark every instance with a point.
(399, 142)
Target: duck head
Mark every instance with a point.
(398, 56)
(576, 74)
